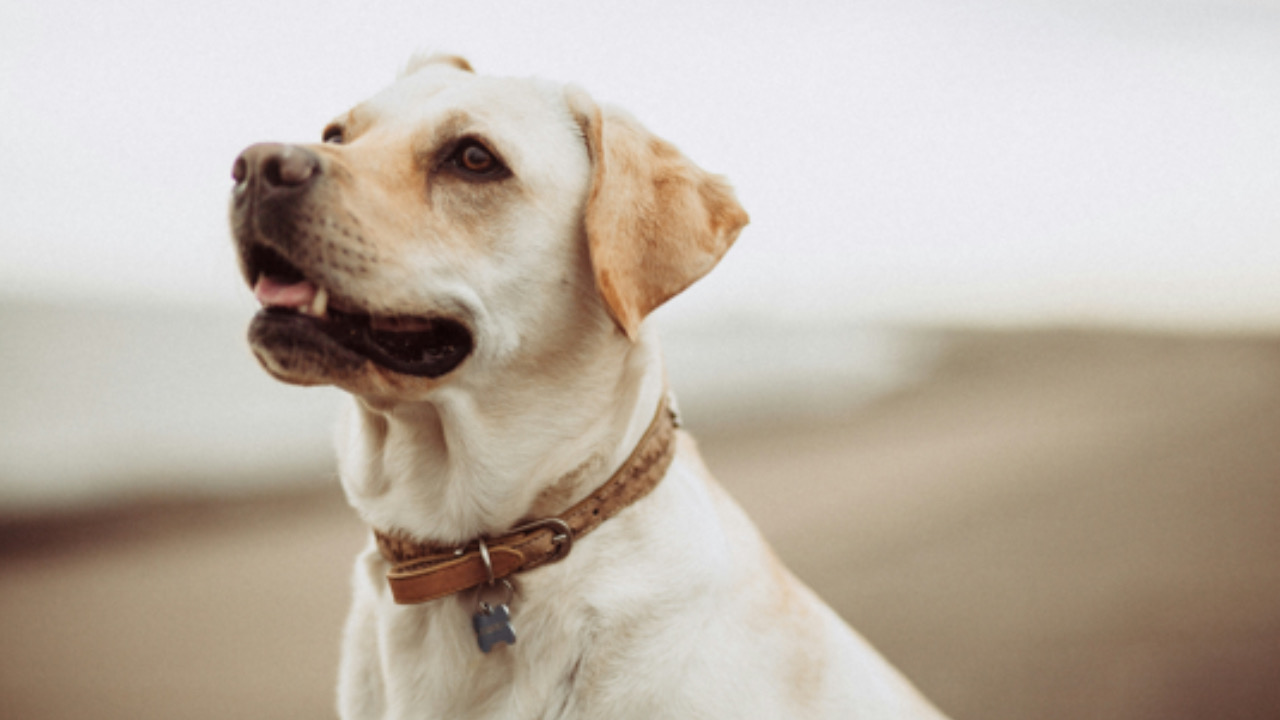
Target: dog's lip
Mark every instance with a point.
(434, 347)
(412, 345)
(278, 283)
(309, 298)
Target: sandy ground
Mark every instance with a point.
(1054, 525)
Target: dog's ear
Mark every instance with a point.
(655, 222)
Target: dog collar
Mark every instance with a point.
(421, 572)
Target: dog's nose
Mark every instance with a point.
(277, 166)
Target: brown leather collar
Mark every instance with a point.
(422, 572)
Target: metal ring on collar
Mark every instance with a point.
(487, 606)
(488, 564)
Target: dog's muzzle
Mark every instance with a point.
(274, 215)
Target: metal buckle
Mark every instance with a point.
(563, 539)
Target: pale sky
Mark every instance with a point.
(1000, 160)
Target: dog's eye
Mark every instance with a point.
(332, 134)
(475, 160)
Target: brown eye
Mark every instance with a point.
(332, 134)
(475, 161)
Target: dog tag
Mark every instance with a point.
(493, 626)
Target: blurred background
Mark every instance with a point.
(995, 366)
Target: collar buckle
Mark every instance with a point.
(563, 539)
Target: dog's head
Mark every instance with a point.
(455, 221)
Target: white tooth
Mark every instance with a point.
(320, 303)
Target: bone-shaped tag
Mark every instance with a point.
(493, 626)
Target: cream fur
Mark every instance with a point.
(676, 607)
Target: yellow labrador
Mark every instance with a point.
(473, 259)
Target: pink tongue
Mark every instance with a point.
(271, 292)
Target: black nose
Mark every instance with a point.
(276, 166)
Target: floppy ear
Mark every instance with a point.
(655, 222)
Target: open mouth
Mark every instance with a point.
(420, 346)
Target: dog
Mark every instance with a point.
(473, 259)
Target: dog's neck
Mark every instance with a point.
(477, 460)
